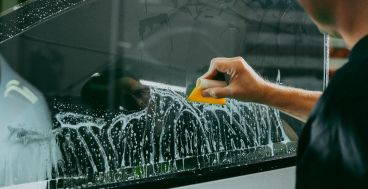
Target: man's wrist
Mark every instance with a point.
(270, 94)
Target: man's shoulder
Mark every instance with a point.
(349, 87)
(344, 104)
(335, 137)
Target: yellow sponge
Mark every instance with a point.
(196, 96)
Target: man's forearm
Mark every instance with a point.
(246, 85)
(295, 102)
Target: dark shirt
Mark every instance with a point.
(333, 148)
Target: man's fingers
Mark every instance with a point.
(212, 71)
(218, 92)
(222, 65)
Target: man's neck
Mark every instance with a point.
(353, 22)
(351, 38)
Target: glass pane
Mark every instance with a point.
(97, 95)
(17, 16)
(10, 5)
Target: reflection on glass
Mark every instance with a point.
(18, 16)
(114, 84)
(114, 90)
(14, 85)
(10, 5)
(28, 148)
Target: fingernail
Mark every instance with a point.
(212, 94)
(209, 93)
(205, 93)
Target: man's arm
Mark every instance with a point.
(246, 85)
(297, 103)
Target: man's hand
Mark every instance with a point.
(246, 85)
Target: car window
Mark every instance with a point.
(94, 93)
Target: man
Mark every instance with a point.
(333, 148)
(125, 92)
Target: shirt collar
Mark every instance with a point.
(360, 51)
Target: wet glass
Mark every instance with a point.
(18, 16)
(8, 6)
(93, 93)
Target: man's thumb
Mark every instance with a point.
(217, 92)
